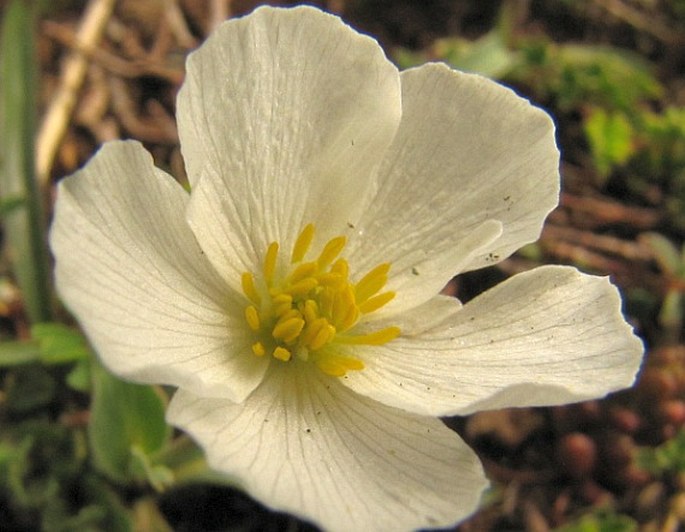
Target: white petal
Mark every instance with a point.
(548, 336)
(283, 118)
(305, 444)
(129, 268)
(467, 150)
(430, 272)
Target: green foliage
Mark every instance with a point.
(601, 521)
(663, 137)
(661, 158)
(43, 468)
(672, 264)
(127, 425)
(17, 353)
(611, 78)
(611, 87)
(669, 457)
(60, 344)
(29, 387)
(22, 205)
(611, 138)
(488, 55)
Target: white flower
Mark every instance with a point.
(312, 163)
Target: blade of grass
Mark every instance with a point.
(25, 225)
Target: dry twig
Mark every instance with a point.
(640, 21)
(607, 211)
(56, 120)
(111, 62)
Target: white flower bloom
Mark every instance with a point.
(293, 295)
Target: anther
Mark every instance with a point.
(375, 338)
(341, 267)
(338, 365)
(281, 353)
(288, 330)
(282, 303)
(310, 311)
(374, 303)
(324, 334)
(249, 288)
(270, 262)
(331, 251)
(302, 243)
(303, 271)
(344, 311)
(302, 287)
(252, 318)
(258, 349)
(372, 282)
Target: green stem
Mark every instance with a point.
(24, 224)
(187, 462)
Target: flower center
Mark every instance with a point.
(310, 312)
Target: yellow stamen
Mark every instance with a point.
(258, 349)
(249, 288)
(270, 262)
(344, 312)
(288, 330)
(341, 267)
(302, 243)
(289, 314)
(303, 271)
(372, 282)
(333, 280)
(351, 363)
(325, 334)
(375, 338)
(281, 353)
(376, 302)
(310, 310)
(331, 251)
(337, 365)
(252, 318)
(313, 309)
(302, 287)
(331, 368)
(317, 334)
(282, 303)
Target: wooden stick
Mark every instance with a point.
(59, 113)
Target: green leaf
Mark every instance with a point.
(671, 314)
(611, 139)
(488, 55)
(17, 466)
(612, 78)
(10, 204)
(29, 387)
(57, 519)
(124, 416)
(159, 476)
(116, 517)
(24, 227)
(79, 378)
(60, 344)
(17, 353)
(601, 520)
(669, 457)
